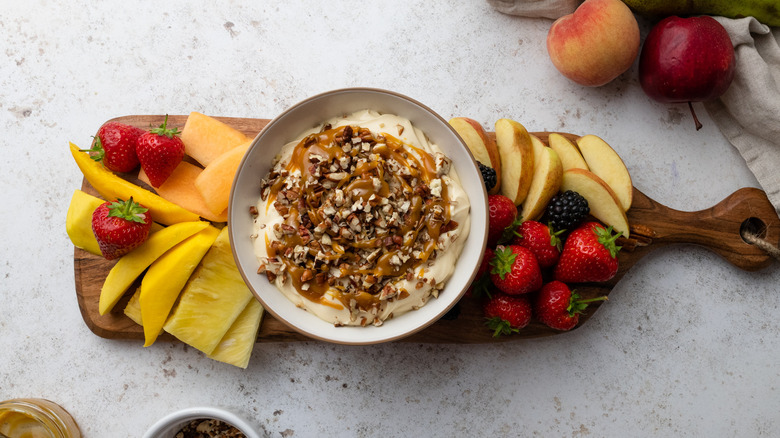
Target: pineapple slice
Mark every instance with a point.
(166, 277)
(236, 346)
(133, 307)
(211, 301)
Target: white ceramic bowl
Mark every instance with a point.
(257, 162)
(169, 425)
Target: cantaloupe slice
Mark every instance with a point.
(205, 138)
(216, 179)
(180, 189)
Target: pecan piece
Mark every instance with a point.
(307, 275)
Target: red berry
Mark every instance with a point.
(589, 254)
(115, 146)
(160, 150)
(502, 213)
(559, 307)
(541, 240)
(507, 314)
(515, 270)
(120, 227)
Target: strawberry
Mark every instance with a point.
(559, 307)
(515, 270)
(482, 279)
(502, 214)
(160, 150)
(507, 314)
(115, 146)
(541, 240)
(120, 227)
(589, 254)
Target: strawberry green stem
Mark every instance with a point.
(164, 130)
(577, 305)
(128, 210)
(98, 150)
(608, 239)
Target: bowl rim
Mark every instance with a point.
(313, 335)
(178, 419)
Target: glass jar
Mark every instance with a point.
(36, 418)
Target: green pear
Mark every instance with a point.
(765, 11)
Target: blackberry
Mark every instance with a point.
(488, 176)
(567, 210)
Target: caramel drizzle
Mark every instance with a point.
(425, 220)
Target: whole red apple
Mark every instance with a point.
(686, 60)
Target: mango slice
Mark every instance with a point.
(180, 189)
(212, 300)
(131, 265)
(205, 138)
(111, 186)
(166, 278)
(78, 222)
(216, 179)
(236, 346)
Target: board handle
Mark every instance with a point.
(719, 228)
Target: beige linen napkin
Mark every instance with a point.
(536, 8)
(748, 114)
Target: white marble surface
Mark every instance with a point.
(687, 344)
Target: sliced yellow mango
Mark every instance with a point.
(166, 278)
(111, 186)
(236, 346)
(78, 222)
(214, 297)
(131, 265)
(180, 189)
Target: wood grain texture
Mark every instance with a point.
(652, 226)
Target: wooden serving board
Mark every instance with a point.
(652, 226)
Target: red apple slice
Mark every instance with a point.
(482, 146)
(602, 201)
(607, 164)
(517, 159)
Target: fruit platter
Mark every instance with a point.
(531, 172)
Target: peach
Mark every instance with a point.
(596, 43)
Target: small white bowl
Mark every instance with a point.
(309, 113)
(169, 425)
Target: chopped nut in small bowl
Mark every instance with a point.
(201, 422)
(358, 216)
